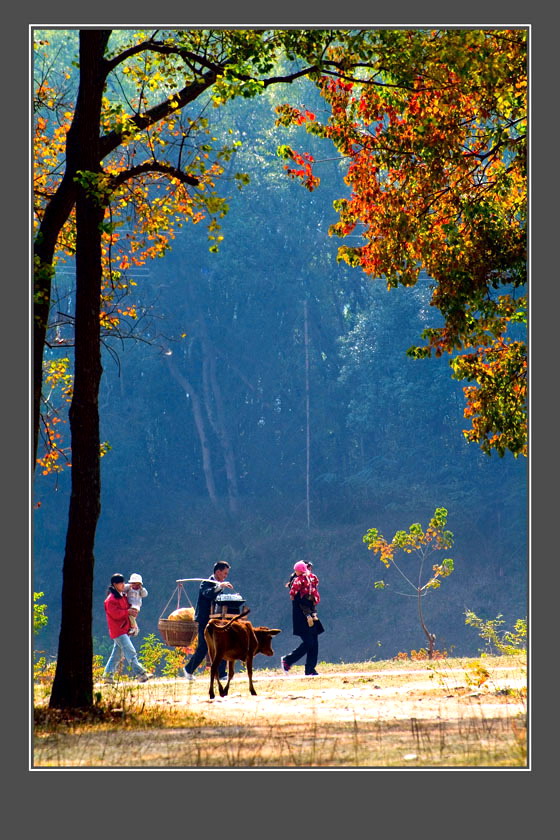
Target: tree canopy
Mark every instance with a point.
(434, 132)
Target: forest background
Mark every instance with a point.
(239, 334)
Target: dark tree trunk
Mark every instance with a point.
(57, 212)
(73, 682)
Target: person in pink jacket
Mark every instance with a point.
(117, 610)
(305, 584)
(304, 594)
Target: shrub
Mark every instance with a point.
(159, 659)
(499, 641)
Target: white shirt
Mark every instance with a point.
(134, 596)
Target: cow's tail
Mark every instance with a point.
(245, 611)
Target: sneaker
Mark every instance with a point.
(284, 665)
(189, 676)
(311, 674)
(145, 677)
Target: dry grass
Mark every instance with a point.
(449, 713)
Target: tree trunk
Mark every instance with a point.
(430, 636)
(200, 428)
(307, 426)
(73, 682)
(57, 212)
(216, 415)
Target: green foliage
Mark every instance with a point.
(98, 666)
(40, 618)
(96, 184)
(43, 670)
(174, 660)
(159, 659)
(43, 666)
(422, 544)
(507, 642)
(151, 652)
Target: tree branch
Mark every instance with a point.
(109, 142)
(153, 166)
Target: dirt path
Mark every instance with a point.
(425, 716)
(347, 696)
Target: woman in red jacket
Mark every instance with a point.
(117, 610)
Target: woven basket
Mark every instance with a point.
(177, 633)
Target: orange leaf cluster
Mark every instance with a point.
(434, 135)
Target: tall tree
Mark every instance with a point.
(434, 134)
(71, 687)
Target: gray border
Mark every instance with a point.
(279, 807)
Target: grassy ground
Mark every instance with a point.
(445, 713)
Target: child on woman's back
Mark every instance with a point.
(305, 584)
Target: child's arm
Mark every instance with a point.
(296, 586)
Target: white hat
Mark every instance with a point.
(135, 578)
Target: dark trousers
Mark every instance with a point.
(199, 655)
(309, 648)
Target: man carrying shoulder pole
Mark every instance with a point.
(207, 594)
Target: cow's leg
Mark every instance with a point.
(231, 665)
(250, 674)
(214, 675)
(221, 689)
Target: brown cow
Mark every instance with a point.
(232, 640)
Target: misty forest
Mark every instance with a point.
(296, 327)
